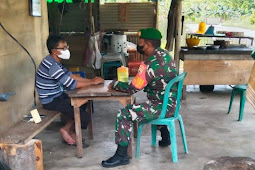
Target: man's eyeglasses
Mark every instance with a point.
(65, 48)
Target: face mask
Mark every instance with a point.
(65, 54)
(140, 49)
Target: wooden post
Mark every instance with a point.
(171, 26)
(156, 17)
(90, 17)
(178, 34)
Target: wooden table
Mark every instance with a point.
(229, 66)
(97, 92)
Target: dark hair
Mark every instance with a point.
(53, 41)
(155, 43)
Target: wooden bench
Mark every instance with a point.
(17, 143)
(22, 132)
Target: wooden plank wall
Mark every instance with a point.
(217, 72)
(139, 15)
(77, 44)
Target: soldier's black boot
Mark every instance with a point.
(165, 141)
(119, 158)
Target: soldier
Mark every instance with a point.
(153, 76)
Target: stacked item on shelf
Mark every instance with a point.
(133, 67)
(133, 62)
(115, 49)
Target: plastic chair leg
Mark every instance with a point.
(139, 133)
(231, 100)
(242, 103)
(153, 134)
(173, 141)
(183, 134)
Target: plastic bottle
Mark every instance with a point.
(201, 28)
(122, 74)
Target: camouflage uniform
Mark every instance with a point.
(153, 76)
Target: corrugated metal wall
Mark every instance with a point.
(140, 15)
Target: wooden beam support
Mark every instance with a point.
(156, 16)
(90, 18)
(177, 48)
(171, 26)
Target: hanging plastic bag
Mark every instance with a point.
(93, 55)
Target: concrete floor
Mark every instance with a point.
(210, 133)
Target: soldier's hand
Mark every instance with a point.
(110, 86)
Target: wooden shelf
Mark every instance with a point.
(222, 36)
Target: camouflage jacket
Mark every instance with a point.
(153, 76)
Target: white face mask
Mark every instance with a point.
(65, 54)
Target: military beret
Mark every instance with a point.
(150, 33)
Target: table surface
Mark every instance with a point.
(232, 50)
(100, 90)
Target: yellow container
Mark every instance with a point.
(192, 42)
(201, 28)
(122, 73)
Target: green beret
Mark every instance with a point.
(150, 33)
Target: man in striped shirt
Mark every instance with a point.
(52, 76)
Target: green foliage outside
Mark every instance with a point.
(67, 1)
(253, 18)
(227, 10)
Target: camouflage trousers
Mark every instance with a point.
(133, 113)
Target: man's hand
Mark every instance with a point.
(98, 80)
(89, 82)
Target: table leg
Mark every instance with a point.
(135, 125)
(90, 127)
(130, 148)
(184, 92)
(77, 121)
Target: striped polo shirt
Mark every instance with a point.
(50, 78)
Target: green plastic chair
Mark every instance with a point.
(241, 89)
(170, 122)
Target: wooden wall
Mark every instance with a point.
(132, 17)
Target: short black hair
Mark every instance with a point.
(53, 41)
(155, 43)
